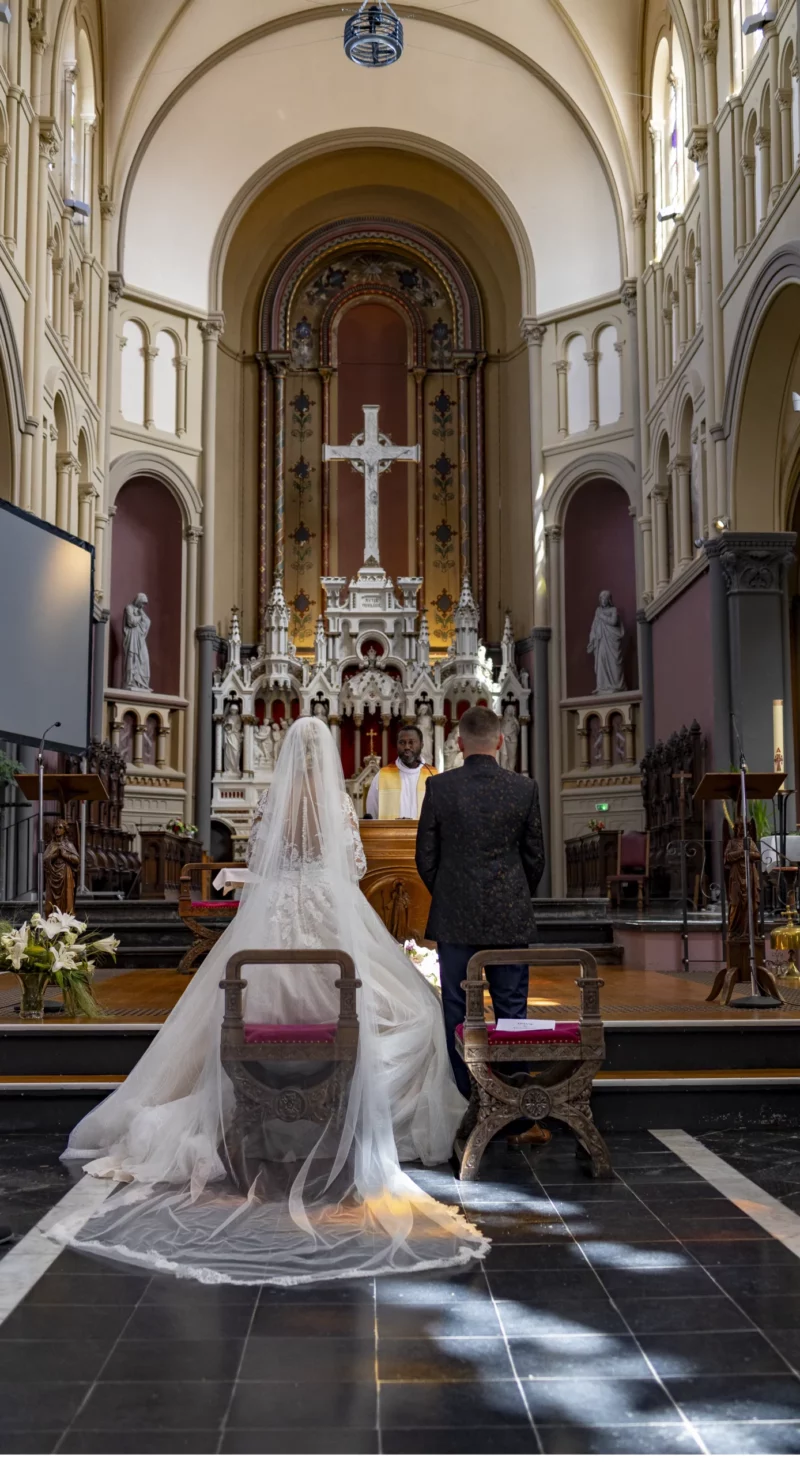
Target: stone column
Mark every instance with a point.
(785, 131)
(138, 745)
(87, 496)
(644, 631)
(681, 469)
(699, 154)
(49, 139)
(592, 359)
(99, 633)
(533, 333)
(718, 480)
(660, 495)
(10, 216)
(646, 531)
(335, 725)
(661, 355)
(192, 538)
(556, 820)
(181, 363)
(206, 636)
(357, 721)
(795, 102)
(464, 365)
(755, 569)
(100, 525)
(772, 40)
(5, 155)
(210, 329)
(562, 367)
(85, 364)
(680, 281)
(749, 192)
(150, 355)
(639, 220)
(385, 720)
(64, 468)
(65, 314)
(162, 745)
(541, 744)
(480, 485)
(279, 366)
(326, 375)
(419, 470)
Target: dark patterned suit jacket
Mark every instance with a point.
(480, 854)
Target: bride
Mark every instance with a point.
(325, 1200)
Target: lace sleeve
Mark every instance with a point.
(257, 818)
(358, 849)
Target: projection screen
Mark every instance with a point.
(46, 596)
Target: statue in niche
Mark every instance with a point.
(319, 710)
(233, 736)
(279, 731)
(605, 645)
(135, 630)
(264, 746)
(61, 863)
(511, 731)
(453, 757)
(425, 725)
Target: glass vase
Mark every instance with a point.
(33, 988)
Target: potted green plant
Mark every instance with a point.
(58, 950)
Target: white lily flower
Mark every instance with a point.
(106, 945)
(50, 926)
(67, 923)
(14, 944)
(62, 958)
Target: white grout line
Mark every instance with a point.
(27, 1261)
(782, 1223)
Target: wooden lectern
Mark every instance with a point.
(63, 788)
(392, 884)
(738, 966)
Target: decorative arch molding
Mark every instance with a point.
(439, 20)
(135, 464)
(340, 305)
(11, 366)
(361, 138)
(368, 231)
(781, 270)
(605, 465)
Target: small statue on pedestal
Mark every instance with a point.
(61, 863)
(233, 731)
(605, 645)
(511, 730)
(135, 630)
(425, 725)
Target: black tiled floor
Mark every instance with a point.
(647, 1315)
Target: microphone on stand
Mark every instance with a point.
(40, 858)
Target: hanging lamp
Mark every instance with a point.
(373, 37)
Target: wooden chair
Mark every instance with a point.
(204, 918)
(565, 1063)
(633, 865)
(246, 1047)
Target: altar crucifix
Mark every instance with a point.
(370, 453)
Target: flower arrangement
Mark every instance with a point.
(426, 960)
(177, 827)
(597, 826)
(56, 948)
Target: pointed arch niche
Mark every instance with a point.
(371, 310)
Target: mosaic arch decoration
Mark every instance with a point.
(316, 283)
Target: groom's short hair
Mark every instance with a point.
(479, 725)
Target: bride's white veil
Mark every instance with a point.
(325, 1199)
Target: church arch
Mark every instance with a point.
(594, 466)
(758, 394)
(147, 557)
(598, 554)
(134, 464)
(13, 412)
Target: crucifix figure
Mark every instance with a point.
(370, 453)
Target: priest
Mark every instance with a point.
(397, 791)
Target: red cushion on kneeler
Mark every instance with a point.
(215, 906)
(566, 1030)
(271, 1034)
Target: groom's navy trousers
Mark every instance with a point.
(508, 987)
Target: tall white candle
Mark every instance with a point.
(777, 737)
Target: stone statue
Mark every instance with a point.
(279, 731)
(61, 862)
(135, 628)
(453, 757)
(605, 645)
(508, 753)
(264, 746)
(425, 725)
(319, 710)
(233, 735)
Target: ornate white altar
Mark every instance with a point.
(370, 671)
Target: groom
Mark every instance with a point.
(480, 854)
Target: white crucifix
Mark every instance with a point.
(370, 453)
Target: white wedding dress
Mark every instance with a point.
(325, 1200)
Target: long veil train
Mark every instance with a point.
(324, 1201)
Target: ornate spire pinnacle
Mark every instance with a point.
(234, 640)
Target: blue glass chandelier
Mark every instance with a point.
(373, 37)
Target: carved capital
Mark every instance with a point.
(532, 332)
(66, 462)
(464, 365)
(762, 138)
(639, 212)
(698, 145)
(193, 535)
(748, 164)
(592, 358)
(753, 563)
(107, 205)
(116, 287)
(49, 139)
(553, 533)
(708, 45)
(562, 365)
(627, 295)
(36, 21)
(150, 354)
(783, 97)
(212, 327)
(87, 492)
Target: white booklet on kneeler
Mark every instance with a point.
(525, 1027)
